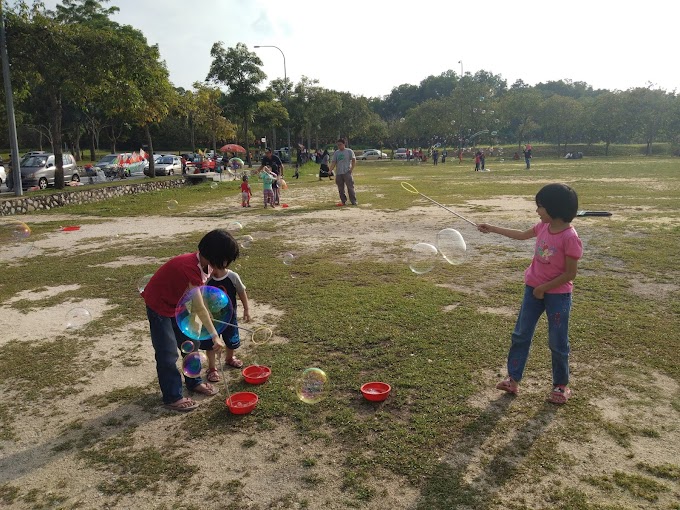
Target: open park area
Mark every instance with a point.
(81, 420)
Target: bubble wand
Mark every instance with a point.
(262, 331)
(226, 386)
(411, 189)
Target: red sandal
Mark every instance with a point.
(213, 375)
(235, 362)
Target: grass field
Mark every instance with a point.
(81, 426)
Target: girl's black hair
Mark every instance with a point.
(219, 248)
(559, 201)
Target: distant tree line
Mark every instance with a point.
(85, 83)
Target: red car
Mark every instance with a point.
(200, 165)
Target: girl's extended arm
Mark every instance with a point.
(512, 233)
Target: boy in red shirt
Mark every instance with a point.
(217, 249)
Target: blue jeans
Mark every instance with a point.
(166, 338)
(557, 308)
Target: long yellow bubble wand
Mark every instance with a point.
(411, 189)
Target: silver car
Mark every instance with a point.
(39, 170)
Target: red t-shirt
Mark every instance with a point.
(171, 281)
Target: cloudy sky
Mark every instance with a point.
(368, 47)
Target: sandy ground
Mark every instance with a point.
(31, 461)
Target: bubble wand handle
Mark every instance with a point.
(411, 189)
(235, 325)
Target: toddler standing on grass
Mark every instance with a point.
(268, 177)
(229, 282)
(548, 286)
(245, 192)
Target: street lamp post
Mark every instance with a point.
(285, 84)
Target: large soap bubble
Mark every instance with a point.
(451, 245)
(312, 386)
(215, 301)
(422, 258)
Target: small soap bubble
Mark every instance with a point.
(193, 362)
(188, 346)
(246, 241)
(143, 281)
(312, 386)
(172, 205)
(234, 226)
(213, 185)
(288, 259)
(77, 318)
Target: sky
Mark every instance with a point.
(369, 47)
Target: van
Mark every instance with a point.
(38, 170)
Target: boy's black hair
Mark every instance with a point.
(559, 201)
(219, 248)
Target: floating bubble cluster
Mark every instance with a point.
(76, 318)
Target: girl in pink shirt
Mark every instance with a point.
(548, 286)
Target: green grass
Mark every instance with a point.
(381, 322)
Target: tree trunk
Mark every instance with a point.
(246, 145)
(192, 132)
(76, 143)
(93, 145)
(55, 103)
(273, 144)
(152, 171)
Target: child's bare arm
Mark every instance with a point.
(512, 233)
(243, 296)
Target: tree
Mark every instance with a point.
(209, 116)
(239, 70)
(519, 111)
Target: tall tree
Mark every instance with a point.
(240, 71)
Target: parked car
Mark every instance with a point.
(373, 154)
(168, 165)
(200, 164)
(3, 176)
(39, 170)
(400, 154)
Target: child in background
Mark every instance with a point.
(216, 250)
(268, 177)
(548, 286)
(245, 192)
(230, 282)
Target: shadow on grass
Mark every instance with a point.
(464, 480)
(77, 437)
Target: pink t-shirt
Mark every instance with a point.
(171, 281)
(550, 257)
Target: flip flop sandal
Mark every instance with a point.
(213, 375)
(205, 389)
(183, 405)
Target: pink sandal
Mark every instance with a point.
(560, 394)
(213, 375)
(508, 385)
(234, 362)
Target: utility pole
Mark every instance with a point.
(9, 99)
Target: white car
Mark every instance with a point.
(372, 154)
(3, 176)
(168, 165)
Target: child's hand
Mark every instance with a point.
(484, 228)
(246, 316)
(539, 292)
(218, 344)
